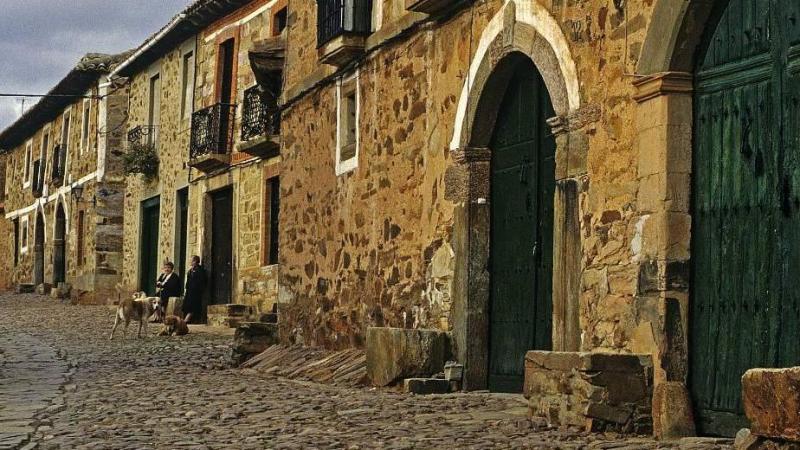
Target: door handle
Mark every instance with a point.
(535, 251)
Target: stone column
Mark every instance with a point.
(664, 129)
(571, 181)
(468, 186)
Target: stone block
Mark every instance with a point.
(672, 411)
(175, 306)
(252, 338)
(597, 391)
(426, 386)
(397, 353)
(771, 400)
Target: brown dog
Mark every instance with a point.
(174, 326)
(138, 309)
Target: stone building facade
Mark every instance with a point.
(397, 209)
(218, 160)
(63, 187)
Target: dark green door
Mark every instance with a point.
(746, 217)
(521, 260)
(148, 261)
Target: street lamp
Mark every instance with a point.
(77, 194)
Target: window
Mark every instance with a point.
(270, 237)
(347, 130)
(24, 235)
(65, 132)
(87, 109)
(43, 155)
(187, 78)
(28, 161)
(280, 20)
(16, 242)
(79, 236)
(154, 107)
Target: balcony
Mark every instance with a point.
(212, 137)
(261, 124)
(37, 184)
(59, 166)
(342, 28)
(433, 7)
(143, 135)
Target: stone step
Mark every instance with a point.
(252, 338)
(426, 386)
(230, 310)
(25, 288)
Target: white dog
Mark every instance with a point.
(138, 309)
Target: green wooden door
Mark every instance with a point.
(521, 260)
(746, 215)
(148, 260)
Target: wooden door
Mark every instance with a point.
(221, 246)
(148, 259)
(59, 247)
(521, 260)
(181, 232)
(745, 208)
(38, 251)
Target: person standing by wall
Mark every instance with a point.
(168, 285)
(195, 285)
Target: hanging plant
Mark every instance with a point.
(141, 158)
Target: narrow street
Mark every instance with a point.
(63, 385)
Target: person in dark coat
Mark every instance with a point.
(168, 285)
(195, 286)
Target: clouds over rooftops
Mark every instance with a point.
(42, 40)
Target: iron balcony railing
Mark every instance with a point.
(212, 130)
(143, 135)
(37, 181)
(260, 117)
(338, 17)
(59, 163)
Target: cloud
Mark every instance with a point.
(41, 40)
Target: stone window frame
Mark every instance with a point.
(66, 139)
(188, 52)
(28, 163)
(154, 119)
(347, 86)
(275, 10)
(44, 143)
(23, 235)
(86, 119)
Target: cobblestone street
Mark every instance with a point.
(64, 385)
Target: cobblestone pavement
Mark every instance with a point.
(63, 385)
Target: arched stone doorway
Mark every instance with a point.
(718, 168)
(59, 246)
(521, 46)
(38, 251)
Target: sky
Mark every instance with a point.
(42, 40)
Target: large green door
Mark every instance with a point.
(746, 221)
(148, 259)
(521, 260)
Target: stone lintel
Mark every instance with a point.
(664, 83)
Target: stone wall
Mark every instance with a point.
(173, 151)
(92, 275)
(255, 282)
(380, 252)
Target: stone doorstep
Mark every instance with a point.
(394, 354)
(588, 361)
(600, 391)
(426, 386)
